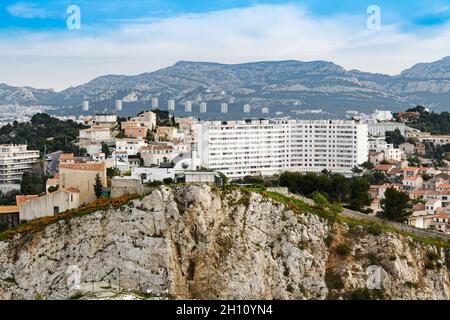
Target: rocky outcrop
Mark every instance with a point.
(203, 243)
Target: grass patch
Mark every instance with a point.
(41, 223)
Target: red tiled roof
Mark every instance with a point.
(413, 169)
(83, 166)
(411, 178)
(66, 156)
(21, 199)
(383, 167)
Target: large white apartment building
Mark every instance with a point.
(268, 147)
(14, 161)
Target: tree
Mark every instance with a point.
(112, 172)
(106, 150)
(396, 205)
(167, 180)
(150, 136)
(98, 186)
(395, 137)
(26, 184)
(368, 165)
(414, 161)
(359, 194)
(357, 170)
(53, 189)
(320, 200)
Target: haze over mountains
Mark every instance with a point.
(283, 86)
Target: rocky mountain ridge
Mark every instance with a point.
(283, 86)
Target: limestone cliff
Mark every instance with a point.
(203, 243)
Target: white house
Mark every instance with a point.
(96, 134)
(412, 182)
(131, 146)
(50, 204)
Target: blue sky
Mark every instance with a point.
(135, 36)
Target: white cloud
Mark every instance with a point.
(28, 11)
(263, 32)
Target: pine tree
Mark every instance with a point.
(98, 187)
(396, 205)
(26, 185)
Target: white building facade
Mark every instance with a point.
(14, 161)
(268, 147)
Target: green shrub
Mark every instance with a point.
(154, 184)
(361, 294)
(412, 285)
(373, 259)
(334, 281)
(374, 229)
(343, 249)
(329, 240)
(290, 288)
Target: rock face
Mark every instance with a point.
(203, 243)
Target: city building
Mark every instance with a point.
(428, 137)
(410, 183)
(379, 129)
(9, 216)
(134, 129)
(50, 204)
(14, 161)
(268, 147)
(130, 145)
(407, 148)
(146, 119)
(390, 153)
(105, 119)
(166, 133)
(155, 154)
(82, 177)
(95, 134)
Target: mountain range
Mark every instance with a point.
(285, 87)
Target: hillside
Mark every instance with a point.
(284, 86)
(209, 243)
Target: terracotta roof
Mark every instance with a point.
(21, 199)
(418, 192)
(71, 190)
(419, 207)
(394, 171)
(444, 186)
(443, 215)
(52, 181)
(9, 209)
(158, 147)
(66, 156)
(83, 166)
(383, 167)
(411, 178)
(412, 169)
